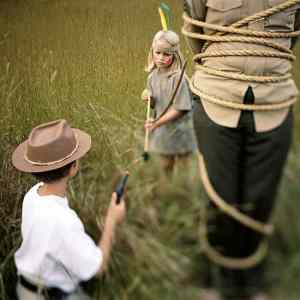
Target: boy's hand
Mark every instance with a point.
(116, 212)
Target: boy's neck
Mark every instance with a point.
(57, 188)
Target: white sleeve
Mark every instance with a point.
(78, 252)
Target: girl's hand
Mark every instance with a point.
(145, 95)
(151, 125)
(152, 102)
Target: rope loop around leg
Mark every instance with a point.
(214, 255)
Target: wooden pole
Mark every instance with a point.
(146, 144)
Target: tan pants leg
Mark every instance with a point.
(79, 295)
(25, 294)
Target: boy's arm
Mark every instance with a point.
(115, 215)
(105, 243)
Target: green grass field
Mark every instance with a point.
(84, 61)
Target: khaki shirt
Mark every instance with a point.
(225, 13)
(177, 136)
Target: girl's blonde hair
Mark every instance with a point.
(171, 42)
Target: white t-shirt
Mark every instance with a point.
(55, 249)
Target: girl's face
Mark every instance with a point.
(162, 59)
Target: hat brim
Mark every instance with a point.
(19, 162)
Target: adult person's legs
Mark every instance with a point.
(220, 147)
(266, 154)
(244, 168)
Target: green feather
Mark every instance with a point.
(165, 14)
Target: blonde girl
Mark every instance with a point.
(172, 134)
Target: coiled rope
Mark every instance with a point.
(266, 229)
(241, 106)
(278, 51)
(215, 256)
(243, 36)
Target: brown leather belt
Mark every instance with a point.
(49, 293)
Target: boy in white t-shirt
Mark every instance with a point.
(56, 254)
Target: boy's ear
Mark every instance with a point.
(73, 169)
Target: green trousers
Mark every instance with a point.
(245, 168)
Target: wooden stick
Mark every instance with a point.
(146, 145)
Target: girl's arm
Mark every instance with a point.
(171, 115)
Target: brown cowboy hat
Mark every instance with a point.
(51, 146)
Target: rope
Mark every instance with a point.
(244, 77)
(264, 14)
(237, 39)
(245, 53)
(214, 255)
(241, 106)
(230, 262)
(265, 229)
(267, 13)
(262, 38)
(245, 32)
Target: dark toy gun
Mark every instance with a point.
(121, 187)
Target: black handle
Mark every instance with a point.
(121, 187)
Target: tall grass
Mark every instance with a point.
(83, 61)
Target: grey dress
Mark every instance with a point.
(177, 136)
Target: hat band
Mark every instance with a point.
(51, 163)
